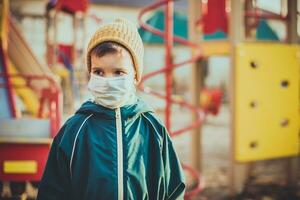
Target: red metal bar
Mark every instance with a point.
(200, 184)
(159, 32)
(200, 113)
(259, 14)
(52, 117)
(11, 100)
(169, 38)
(58, 112)
(162, 70)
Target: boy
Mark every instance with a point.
(114, 147)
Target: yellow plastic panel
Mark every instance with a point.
(266, 101)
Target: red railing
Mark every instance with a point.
(10, 98)
(50, 93)
(169, 38)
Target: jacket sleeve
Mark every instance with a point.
(174, 175)
(55, 182)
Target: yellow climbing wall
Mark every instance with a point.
(266, 96)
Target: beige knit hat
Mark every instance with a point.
(125, 33)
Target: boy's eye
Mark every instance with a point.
(98, 72)
(120, 72)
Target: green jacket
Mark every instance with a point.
(113, 154)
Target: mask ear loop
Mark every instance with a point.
(135, 79)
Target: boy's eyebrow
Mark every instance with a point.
(117, 68)
(120, 68)
(96, 67)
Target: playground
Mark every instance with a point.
(223, 76)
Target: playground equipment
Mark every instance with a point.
(210, 100)
(65, 56)
(252, 137)
(25, 138)
(265, 94)
(22, 60)
(263, 98)
(169, 66)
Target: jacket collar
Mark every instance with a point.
(136, 106)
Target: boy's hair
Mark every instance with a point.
(122, 33)
(107, 48)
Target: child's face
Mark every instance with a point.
(113, 64)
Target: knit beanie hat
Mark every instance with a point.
(125, 33)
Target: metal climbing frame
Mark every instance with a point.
(169, 38)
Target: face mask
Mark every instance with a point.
(112, 92)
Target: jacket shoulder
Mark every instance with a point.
(67, 133)
(72, 123)
(75, 120)
(156, 123)
(155, 120)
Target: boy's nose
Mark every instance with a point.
(108, 75)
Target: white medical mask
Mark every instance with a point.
(112, 92)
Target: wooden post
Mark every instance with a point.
(168, 42)
(292, 22)
(194, 15)
(292, 37)
(238, 172)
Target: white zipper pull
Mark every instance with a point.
(117, 113)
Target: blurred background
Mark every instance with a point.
(222, 74)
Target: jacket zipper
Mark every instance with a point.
(120, 153)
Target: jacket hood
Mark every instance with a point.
(138, 106)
